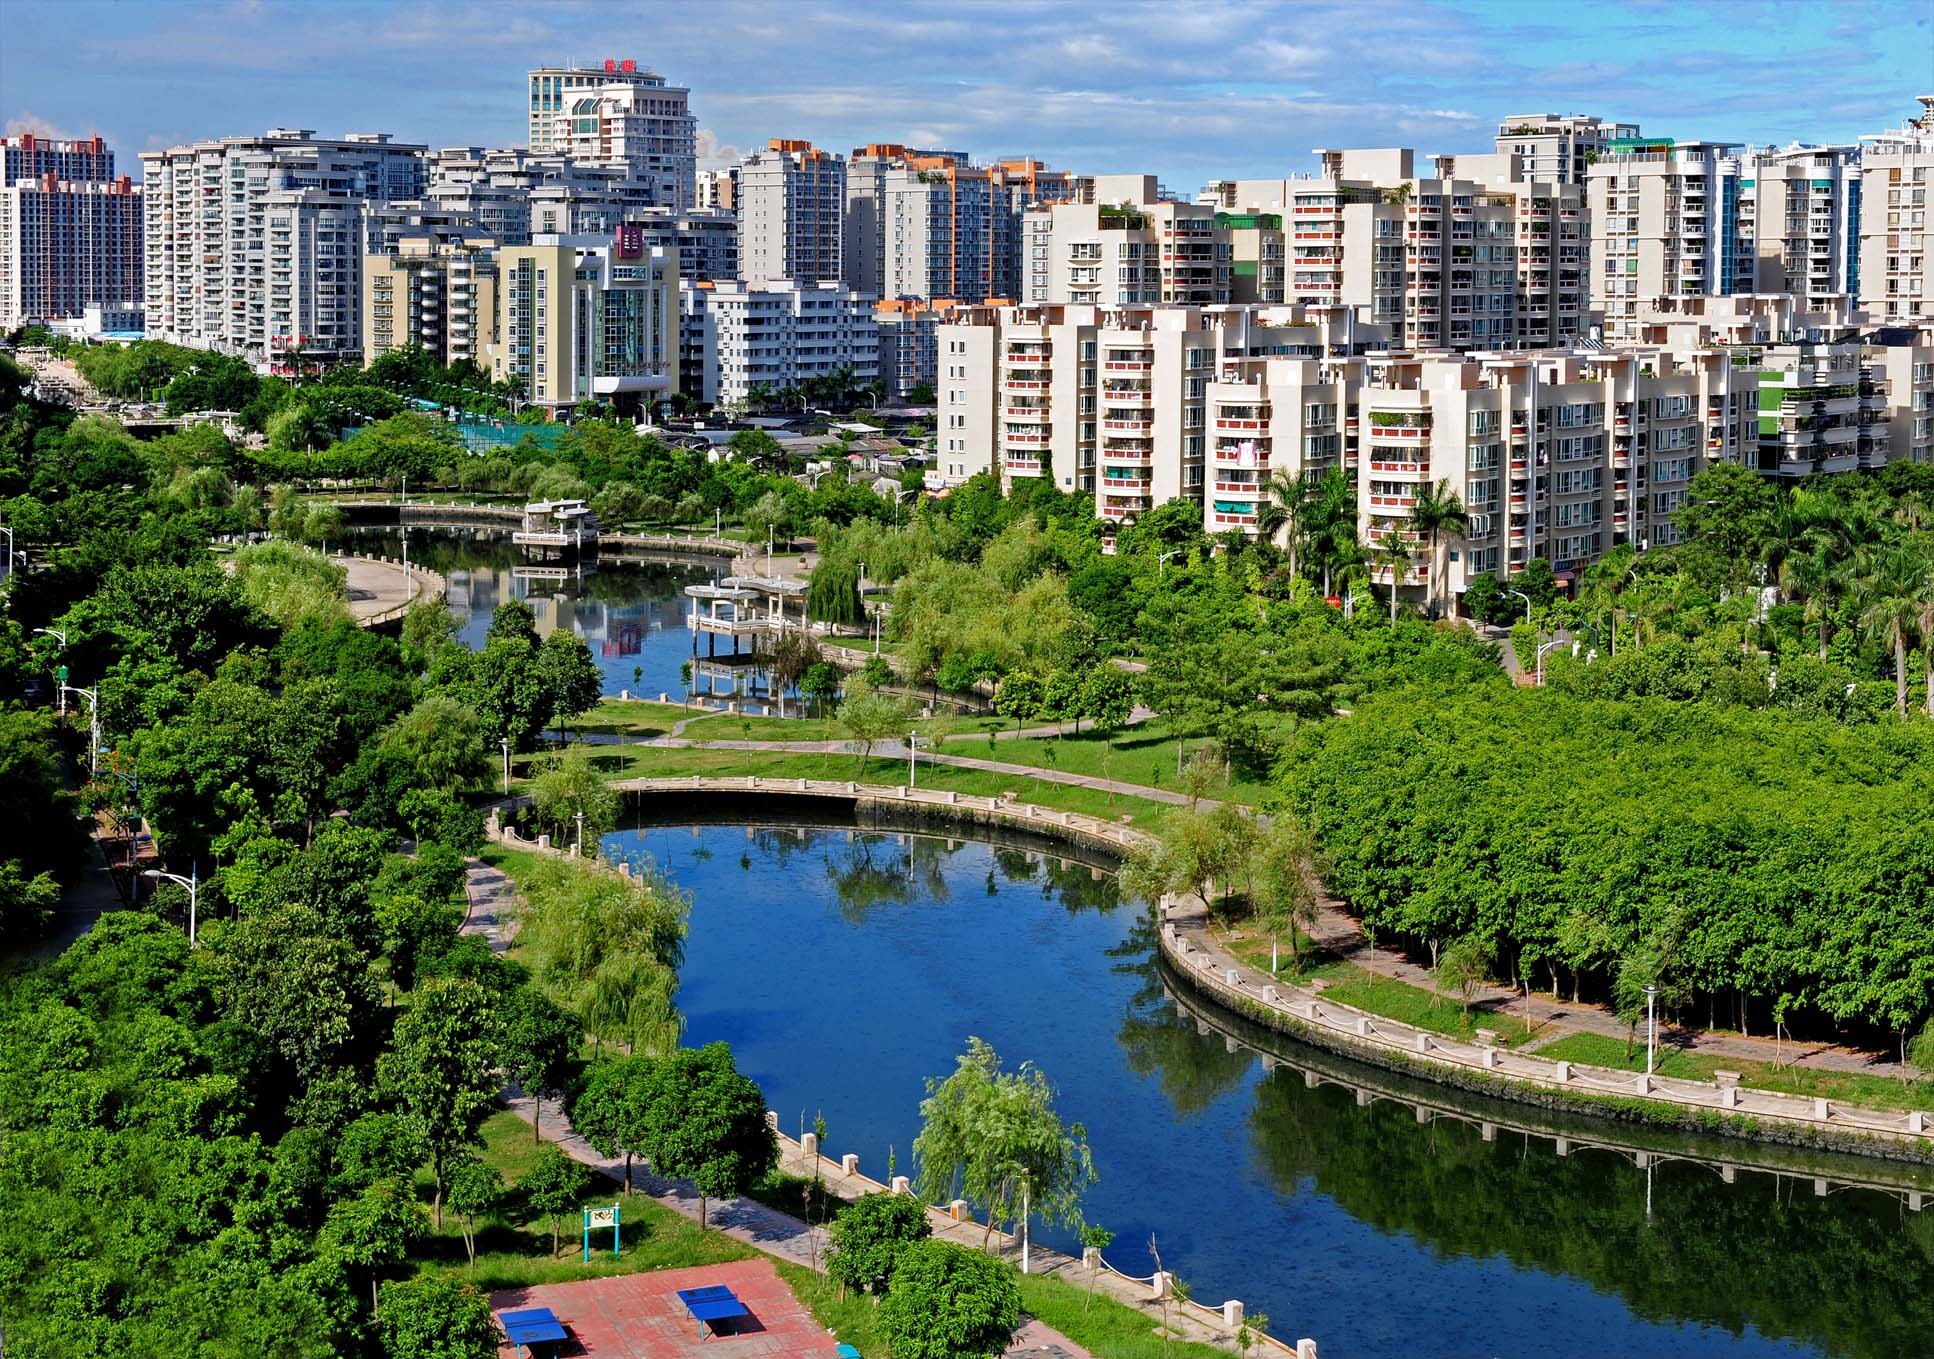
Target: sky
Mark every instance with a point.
(1189, 91)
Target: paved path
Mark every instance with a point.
(380, 591)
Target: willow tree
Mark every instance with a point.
(995, 1136)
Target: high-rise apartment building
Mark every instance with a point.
(1476, 256)
(438, 291)
(1664, 223)
(718, 190)
(587, 318)
(1117, 400)
(1122, 245)
(29, 155)
(1897, 221)
(928, 224)
(791, 204)
(707, 242)
(909, 342)
(1798, 223)
(68, 245)
(620, 114)
(253, 245)
(1559, 147)
(1901, 362)
(740, 339)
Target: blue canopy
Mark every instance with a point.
(532, 1324)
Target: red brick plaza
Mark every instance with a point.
(638, 1316)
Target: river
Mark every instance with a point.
(846, 967)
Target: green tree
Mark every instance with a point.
(1283, 891)
(434, 1316)
(949, 1302)
(702, 1121)
(373, 1231)
(607, 1109)
(570, 786)
(1893, 585)
(553, 1186)
(1021, 697)
(476, 1191)
(869, 718)
(996, 1135)
(541, 1042)
(571, 680)
(1437, 515)
(442, 1069)
(867, 1236)
(440, 742)
(1107, 697)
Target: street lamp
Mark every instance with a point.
(1554, 642)
(93, 725)
(580, 835)
(193, 884)
(910, 753)
(1161, 562)
(1651, 1026)
(1527, 602)
(505, 743)
(60, 698)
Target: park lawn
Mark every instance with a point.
(633, 719)
(1142, 755)
(1103, 1325)
(1348, 984)
(514, 862)
(1848, 1087)
(515, 1253)
(651, 761)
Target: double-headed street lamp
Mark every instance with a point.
(193, 884)
(93, 725)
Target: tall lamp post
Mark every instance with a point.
(60, 697)
(911, 738)
(505, 743)
(1651, 1026)
(1553, 643)
(193, 884)
(93, 725)
(1527, 602)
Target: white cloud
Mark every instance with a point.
(41, 127)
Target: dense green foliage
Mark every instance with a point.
(1769, 857)
(949, 1302)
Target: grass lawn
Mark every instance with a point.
(514, 1247)
(643, 761)
(1104, 1325)
(1143, 754)
(514, 862)
(632, 719)
(1851, 1087)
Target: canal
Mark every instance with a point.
(846, 967)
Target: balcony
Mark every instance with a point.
(1034, 414)
(1128, 366)
(1119, 425)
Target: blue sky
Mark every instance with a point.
(1189, 91)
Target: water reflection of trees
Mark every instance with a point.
(871, 871)
(1194, 1069)
(1763, 1251)
(1075, 886)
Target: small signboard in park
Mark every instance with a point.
(596, 1219)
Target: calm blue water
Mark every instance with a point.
(632, 616)
(846, 967)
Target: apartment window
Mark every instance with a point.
(1484, 422)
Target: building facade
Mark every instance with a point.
(1897, 222)
(909, 342)
(252, 245)
(1664, 223)
(707, 242)
(28, 155)
(436, 291)
(68, 245)
(740, 339)
(1799, 223)
(1559, 147)
(587, 319)
(619, 113)
(1123, 245)
(791, 203)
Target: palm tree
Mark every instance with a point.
(1892, 583)
(1327, 520)
(1437, 516)
(1924, 619)
(1281, 514)
(1393, 553)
